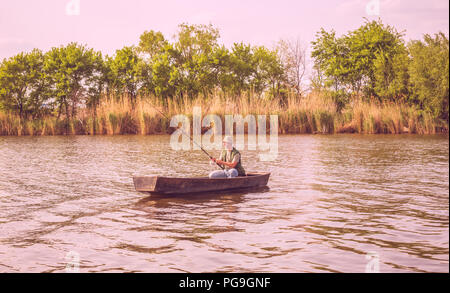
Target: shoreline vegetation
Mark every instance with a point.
(314, 114)
(367, 81)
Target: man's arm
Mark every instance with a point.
(219, 160)
(232, 164)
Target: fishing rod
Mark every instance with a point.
(188, 135)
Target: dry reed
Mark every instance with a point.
(315, 113)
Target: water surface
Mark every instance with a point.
(331, 200)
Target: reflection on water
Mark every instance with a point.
(331, 200)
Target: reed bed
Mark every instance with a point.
(315, 113)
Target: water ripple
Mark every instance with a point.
(331, 200)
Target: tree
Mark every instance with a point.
(97, 84)
(391, 74)
(241, 65)
(370, 60)
(128, 72)
(195, 44)
(376, 45)
(220, 67)
(267, 72)
(429, 74)
(23, 87)
(330, 58)
(293, 58)
(165, 73)
(196, 40)
(152, 43)
(69, 69)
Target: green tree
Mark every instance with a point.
(165, 73)
(370, 60)
(128, 72)
(96, 83)
(391, 75)
(330, 58)
(242, 67)
(196, 40)
(268, 72)
(221, 69)
(375, 53)
(69, 68)
(429, 74)
(152, 43)
(23, 84)
(195, 44)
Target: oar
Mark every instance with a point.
(188, 135)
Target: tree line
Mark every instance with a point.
(60, 80)
(372, 62)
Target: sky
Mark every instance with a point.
(110, 25)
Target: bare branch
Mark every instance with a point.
(293, 57)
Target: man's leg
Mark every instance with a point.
(232, 173)
(218, 174)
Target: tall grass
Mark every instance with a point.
(315, 113)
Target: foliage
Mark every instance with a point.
(371, 63)
(374, 62)
(70, 71)
(23, 84)
(429, 74)
(152, 43)
(369, 60)
(129, 72)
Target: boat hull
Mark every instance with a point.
(168, 185)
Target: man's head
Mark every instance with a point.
(227, 142)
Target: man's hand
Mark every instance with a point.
(214, 160)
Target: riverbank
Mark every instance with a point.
(313, 114)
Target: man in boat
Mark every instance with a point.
(230, 159)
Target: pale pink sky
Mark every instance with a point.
(108, 25)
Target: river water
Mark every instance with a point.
(337, 203)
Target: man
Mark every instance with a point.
(230, 158)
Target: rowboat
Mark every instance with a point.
(171, 185)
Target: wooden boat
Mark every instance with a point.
(170, 185)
